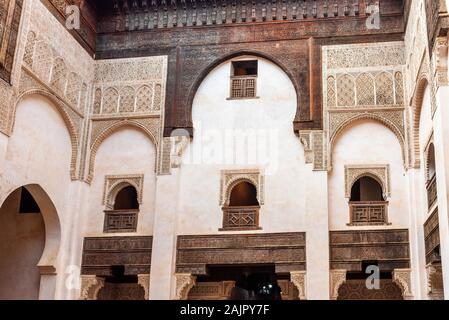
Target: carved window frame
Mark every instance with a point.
(380, 173)
(126, 219)
(229, 179)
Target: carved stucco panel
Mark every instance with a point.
(184, 282)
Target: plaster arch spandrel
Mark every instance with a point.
(101, 130)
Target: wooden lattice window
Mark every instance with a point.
(242, 213)
(120, 221)
(244, 79)
(123, 217)
(367, 205)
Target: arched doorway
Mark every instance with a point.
(29, 242)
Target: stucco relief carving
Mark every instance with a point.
(379, 172)
(144, 281)
(90, 286)
(435, 289)
(314, 148)
(298, 278)
(440, 62)
(363, 81)
(132, 85)
(115, 183)
(337, 279)
(184, 282)
(403, 278)
(230, 178)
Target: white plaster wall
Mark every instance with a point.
(215, 118)
(39, 152)
(367, 142)
(22, 239)
(127, 151)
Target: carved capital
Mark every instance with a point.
(403, 278)
(435, 289)
(144, 281)
(440, 67)
(298, 278)
(337, 279)
(184, 282)
(179, 144)
(90, 286)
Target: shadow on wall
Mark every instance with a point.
(29, 243)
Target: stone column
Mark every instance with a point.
(317, 236)
(164, 237)
(441, 138)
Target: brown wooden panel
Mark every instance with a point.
(11, 11)
(285, 250)
(348, 249)
(432, 236)
(100, 253)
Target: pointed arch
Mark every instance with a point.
(59, 106)
(203, 74)
(107, 132)
(367, 116)
(417, 103)
(47, 263)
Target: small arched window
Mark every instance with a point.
(123, 217)
(126, 199)
(242, 213)
(366, 189)
(243, 194)
(367, 204)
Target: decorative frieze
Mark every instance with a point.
(194, 253)
(100, 253)
(133, 85)
(348, 249)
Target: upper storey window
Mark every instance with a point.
(244, 79)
